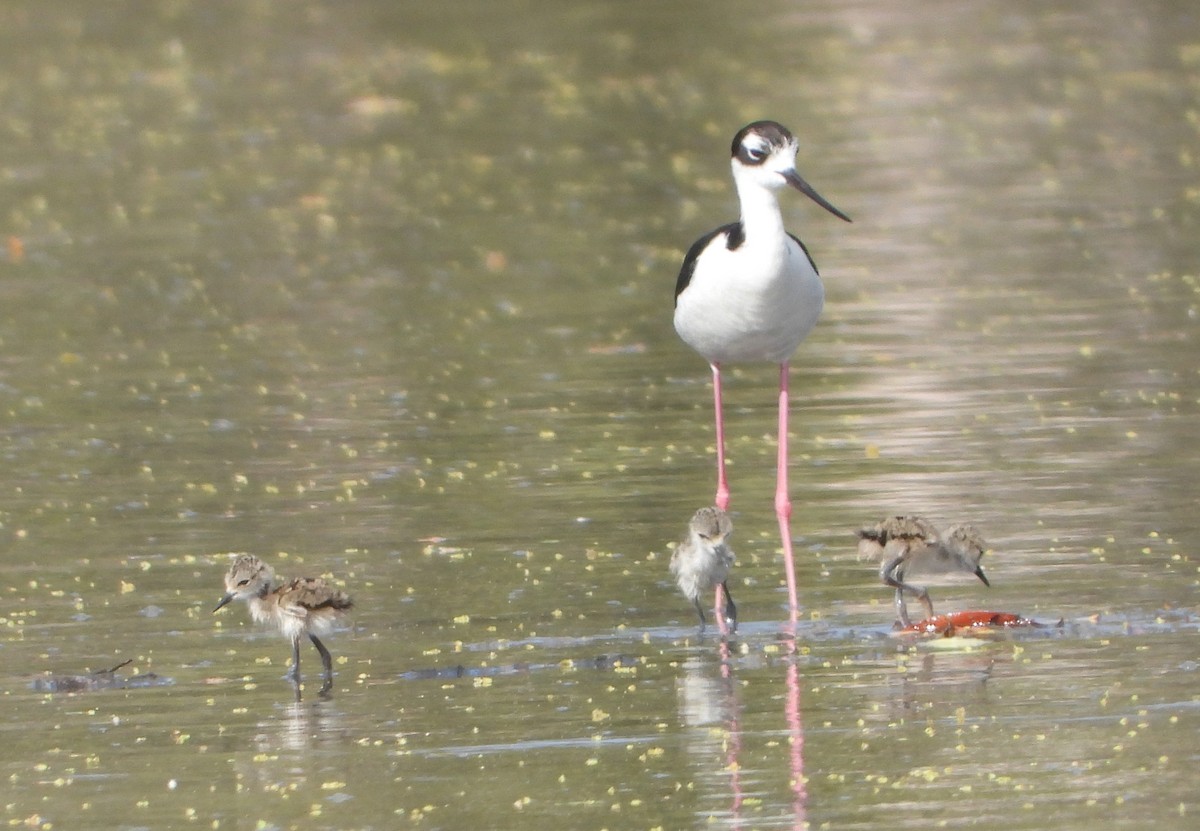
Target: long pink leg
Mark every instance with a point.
(796, 728)
(719, 610)
(722, 602)
(783, 505)
(722, 498)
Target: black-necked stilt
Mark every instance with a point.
(702, 562)
(303, 606)
(749, 291)
(905, 543)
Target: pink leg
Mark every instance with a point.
(783, 505)
(719, 610)
(796, 729)
(722, 498)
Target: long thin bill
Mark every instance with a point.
(793, 179)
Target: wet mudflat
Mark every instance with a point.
(383, 295)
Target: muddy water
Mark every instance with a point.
(384, 295)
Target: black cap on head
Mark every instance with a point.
(773, 134)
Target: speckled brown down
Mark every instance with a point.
(904, 543)
(303, 606)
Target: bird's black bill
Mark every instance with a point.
(229, 597)
(793, 179)
(979, 573)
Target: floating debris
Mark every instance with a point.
(105, 679)
(973, 622)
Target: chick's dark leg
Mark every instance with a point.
(700, 611)
(326, 662)
(295, 673)
(892, 574)
(326, 658)
(923, 595)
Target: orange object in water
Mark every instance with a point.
(16, 250)
(948, 625)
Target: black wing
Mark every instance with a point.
(735, 236)
(804, 248)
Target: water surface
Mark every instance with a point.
(383, 293)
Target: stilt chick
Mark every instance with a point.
(702, 562)
(905, 543)
(304, 606)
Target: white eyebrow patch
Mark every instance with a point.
(755, 142)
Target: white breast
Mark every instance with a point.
(756, 303)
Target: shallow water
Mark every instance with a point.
(383, 293)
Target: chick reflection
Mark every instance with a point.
(936, 682)
(708, 699)
(287, 740)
